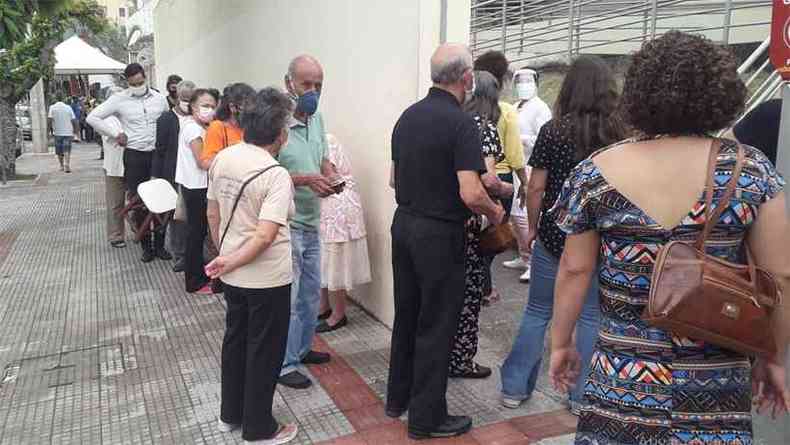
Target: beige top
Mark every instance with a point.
(269, 197)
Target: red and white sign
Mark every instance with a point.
(780, 38)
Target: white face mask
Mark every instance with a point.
(526, 90)
(206, 114)
(470, 93)
(183, 105)
(138, 90)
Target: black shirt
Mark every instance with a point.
(433, 140)
(166, 153)
(760, 128)
(556, 153)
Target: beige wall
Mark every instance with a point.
(375, 55)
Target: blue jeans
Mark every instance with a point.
(521, 368)
(305, 293)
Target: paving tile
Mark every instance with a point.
(546, 425)
(368, 417)
(502, 433)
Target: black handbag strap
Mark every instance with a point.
(238, 197)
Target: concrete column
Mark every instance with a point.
(38, 118)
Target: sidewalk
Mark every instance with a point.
(96, 347)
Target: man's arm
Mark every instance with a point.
(317, 183)
(96, 118)
(474, 195)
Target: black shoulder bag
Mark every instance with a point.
(217, 286)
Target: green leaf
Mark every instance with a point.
(12, 28)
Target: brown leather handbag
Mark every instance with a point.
(696, 295)
(496, 239)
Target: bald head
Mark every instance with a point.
(304, 75)
(449, 63)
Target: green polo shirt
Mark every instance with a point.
(303, 154)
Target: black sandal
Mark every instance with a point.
(325, 315)
(118, 244)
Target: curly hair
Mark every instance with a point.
(682, 83)
(495, 63)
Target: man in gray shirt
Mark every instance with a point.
(137, 108)
(64, 126)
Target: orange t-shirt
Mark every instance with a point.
(219, 136)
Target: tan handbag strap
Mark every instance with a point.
(712, 218)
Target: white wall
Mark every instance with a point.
(375, 55)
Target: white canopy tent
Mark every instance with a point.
(74, 56)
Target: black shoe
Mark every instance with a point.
(394, 411)
(179, 266)
(295, 380)
(479, 372)
(325, 315)
(324, 326)
(316, 358)
(147, 256)
(163, 254)
(452, 426)
(118, 244)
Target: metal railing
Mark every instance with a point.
(763, 81)
(531, 29)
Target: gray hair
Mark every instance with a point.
(185, 86)
(452, 70)
(485, 101)
(265, 115)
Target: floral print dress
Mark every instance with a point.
(466, 337)
(647, 386)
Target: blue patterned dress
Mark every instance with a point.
(645, 385)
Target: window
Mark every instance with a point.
(122, 12)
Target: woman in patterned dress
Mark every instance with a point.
(646, 385)
(484, 107)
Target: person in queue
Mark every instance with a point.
(497, 64)
(345, 263)
(698, 392)
(225, 130)
(193, 183)
(483, 106)
(172, 90)
(255, 266)
(114, 188)
(305, 157)
(437, 162)
(168, 127)
(532, 114)
(138, 109)
(585, 121)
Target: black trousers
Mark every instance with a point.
(197, 229)
(137, 169)
(256, 334)
(429, 275)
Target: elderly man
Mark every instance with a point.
(138, 108)
(305, 157)
(168, 127)
(437, 161)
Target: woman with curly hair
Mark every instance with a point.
(619, 207)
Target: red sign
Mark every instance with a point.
(780, 38)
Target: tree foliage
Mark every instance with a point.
(31, 56)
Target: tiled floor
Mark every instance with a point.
(96, 347)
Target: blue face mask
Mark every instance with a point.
(307, 103)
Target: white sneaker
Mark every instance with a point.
(525, 277)
(225, 427)
(511, 403)
(286, 434)
(516, 263)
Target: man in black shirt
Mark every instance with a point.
(760, 128)
(437, 161)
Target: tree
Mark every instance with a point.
(29, 32)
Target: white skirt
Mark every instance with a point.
(345, 265)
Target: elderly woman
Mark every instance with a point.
(648, 385)
(193, 181)
(484, 108)
(344, 247)
(250, 202)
